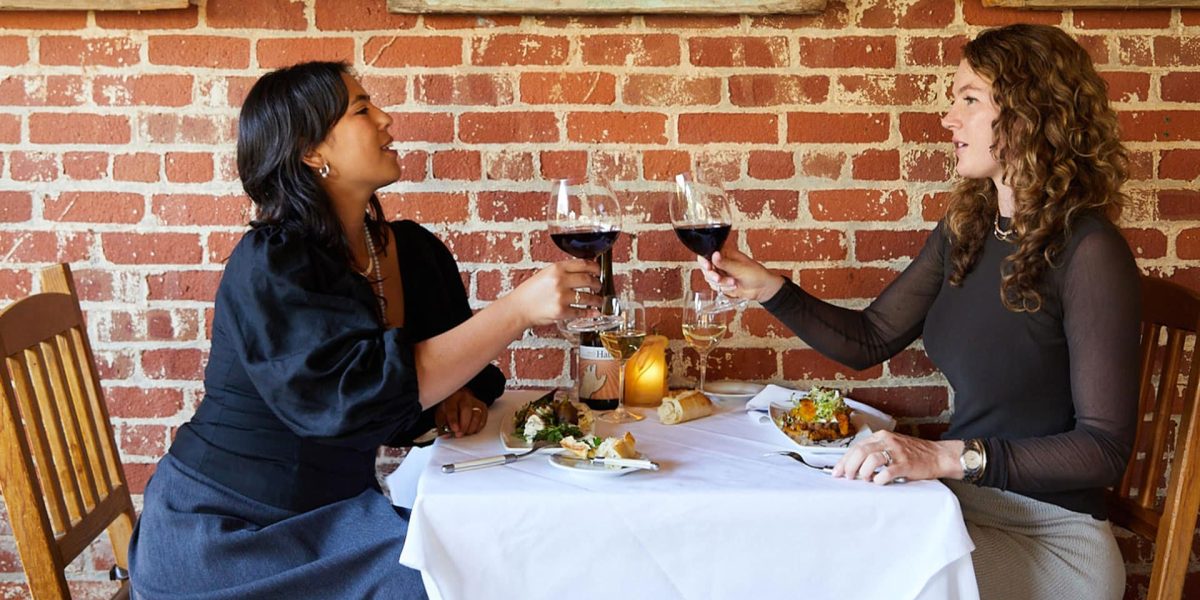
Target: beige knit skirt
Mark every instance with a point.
(1026, 549)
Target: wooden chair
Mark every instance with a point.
(1174, 310)
(61, 475)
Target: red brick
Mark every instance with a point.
(183, 285)
(207, 51)
(733, 128)
(826, 128)
(1142, 18)
(1160, 125)
(1135, 51)
(14, 50)
(186, 129)
(334, 15)
(173, 364)
(857, 205)
(33, 166)
(137, 475)
(974, 13)
(486, 246)
(888, 245)
(143, 402)
(796, 245)
(1097, 47)
(1181, 87)
(79, 52)
(85, 165)
(617, 127)
(1187, 245)
(78, 129)
(664, 165)
(109, 365)
(933, 206)
(835, 16)
(505, 49)
(143, 90)
(568, 88)
(662, 245)
(670, 90)
(385, 90)
(509, 166)
(469, 21)
(770, 165)
(719, 166)
(735, 51)
(470, 90)
(928, 14)
(779, 205)
(152, 248)
(923, 127)
(676, 22)
(917, 401)
(933, 51)
(1190, 18)
(184, 18)
(512, 206)
(877, 165)
(648, 50)
(10, 131)
(53, 90)
(457, 164)
(809, 365)
(826, 165)
(44, 246)
(413, 51)
(189, 167)
(422, 127)
(221, 245)
(738, 363)
(188, 209)
(276, 53)
(1179, 164)
(911, 363)
(143, 440)
(261, 14)
(889, 89)
(563, 164)
(14, 284)
(773, 90)
(15, 207)
(848, 52)
(43, 19)
(1146, 243)
(879, 15)
(413, 165)
(95, 207)
(657, 285)
(508, 127)
(142, 166)
(927, 165)
(1172, 51)
(615, 166)
(1127, 87)
(1183, 205)
(539, 363)
(1141, 165)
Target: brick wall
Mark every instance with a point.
(116, 154)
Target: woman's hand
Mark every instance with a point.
(897, 455)
(460, 414)
(550, 294)
(739, 276)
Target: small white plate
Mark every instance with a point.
(583, 467)
(732, 391)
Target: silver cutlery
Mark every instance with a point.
(635, 463)
(491, 461)
(796, 456)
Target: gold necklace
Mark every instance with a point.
(1003, 235)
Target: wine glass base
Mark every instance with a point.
(582, 324)
(725, 304)
(620, 415)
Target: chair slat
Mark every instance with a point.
(1164, 401)
(71, 426)
(85, 414)
(91, 381)
(52, 422)
(35, 432)
(1149, 351)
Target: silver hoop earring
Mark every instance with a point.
(323, 171)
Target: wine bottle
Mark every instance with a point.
(599, 375)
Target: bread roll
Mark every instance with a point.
(622, 447)
(684, 406)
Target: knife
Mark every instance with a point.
(635, 463)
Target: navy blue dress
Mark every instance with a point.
(269, 491)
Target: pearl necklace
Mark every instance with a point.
(376, 275)
(1003, 235)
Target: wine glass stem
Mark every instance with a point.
(621, 388)
(703, 369)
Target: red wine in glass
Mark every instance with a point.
(703, 239)
(586, 244)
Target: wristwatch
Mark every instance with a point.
(973, 460)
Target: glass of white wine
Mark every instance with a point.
(704, 327)
(622, 341)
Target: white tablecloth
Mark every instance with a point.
(718, 521)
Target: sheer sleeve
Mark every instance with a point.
(860, 339)
(309, 340)
(1101, 297)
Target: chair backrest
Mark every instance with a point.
(1169, 386)
(61, 475)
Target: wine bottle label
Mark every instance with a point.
(599, 375)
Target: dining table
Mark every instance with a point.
(722, 517)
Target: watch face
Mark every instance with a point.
(972, 459)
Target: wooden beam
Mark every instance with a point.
(92, 4)
(709, 7)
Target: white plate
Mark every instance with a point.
(517, 443)
(868, 419)
(583, 467)
(732, 391)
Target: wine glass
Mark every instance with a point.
(622, 341)
(702, 220)
(584, 219)
(703, 327)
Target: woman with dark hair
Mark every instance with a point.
(335, 332)
(1028, 300)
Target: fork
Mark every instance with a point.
(502, 459)
(796, 456)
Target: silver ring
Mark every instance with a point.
(887, 457)
(577, 300)
(476, 409)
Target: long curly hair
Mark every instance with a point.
(1058, 143)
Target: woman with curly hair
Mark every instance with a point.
(1027, 297)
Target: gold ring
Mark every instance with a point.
(577, 300)
(887, 457)
(476, 409)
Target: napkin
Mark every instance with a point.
(770, 394)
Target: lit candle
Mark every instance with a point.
(646, 373)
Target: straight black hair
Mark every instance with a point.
(287, 113)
